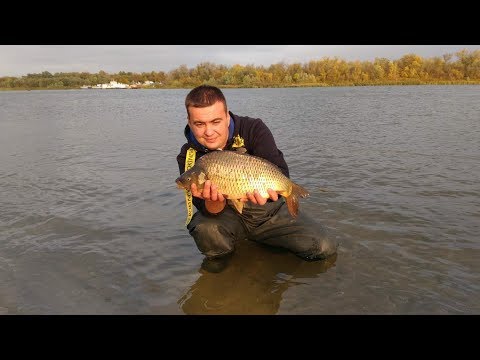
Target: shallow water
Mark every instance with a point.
(91, 221)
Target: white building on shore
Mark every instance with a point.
(113, 85)
(116, 85)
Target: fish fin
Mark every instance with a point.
(299, 190)
(292, 199)
(238, 204)
(241, 150)
(202, 177)
(292, 205)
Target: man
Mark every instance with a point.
(216, 226)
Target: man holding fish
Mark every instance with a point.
(237, 178)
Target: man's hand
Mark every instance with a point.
(214, 200)
(210, 192)
(256, 198)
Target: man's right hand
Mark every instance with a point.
(210, 192)
(214, 201)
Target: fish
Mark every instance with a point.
(235, 173)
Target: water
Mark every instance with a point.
(91, 221)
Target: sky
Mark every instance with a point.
(19, 60)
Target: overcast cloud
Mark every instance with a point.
(19, 60)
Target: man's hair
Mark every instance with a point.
(204, 96)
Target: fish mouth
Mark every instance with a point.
(179, 184)
(182, 185)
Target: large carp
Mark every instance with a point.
(236, 173)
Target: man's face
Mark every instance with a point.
(210, 125)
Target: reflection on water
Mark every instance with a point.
(253, 281)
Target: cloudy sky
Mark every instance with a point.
(18, 60)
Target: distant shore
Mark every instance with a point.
(460, 68)
(409, 83)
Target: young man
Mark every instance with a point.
(216, 226)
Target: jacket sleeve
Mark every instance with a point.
(263, 145)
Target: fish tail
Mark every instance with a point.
(292, 199)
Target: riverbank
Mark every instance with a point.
(347, 84)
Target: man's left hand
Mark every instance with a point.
(256, 198)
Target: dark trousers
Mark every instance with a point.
(271, 224)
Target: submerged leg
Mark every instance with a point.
(215, 236)
(302, 235)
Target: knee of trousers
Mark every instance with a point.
(212, 239)
(318, 249)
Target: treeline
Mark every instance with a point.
(462, 67)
